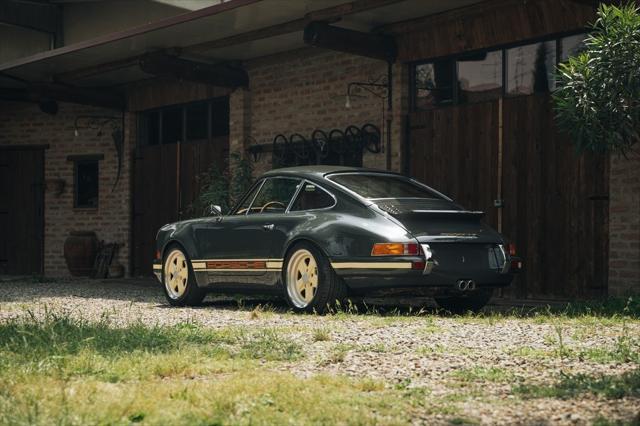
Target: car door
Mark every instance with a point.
(242, 243)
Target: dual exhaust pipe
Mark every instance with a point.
(466, 285)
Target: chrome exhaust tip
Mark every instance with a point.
(466, 285)
(462, 285)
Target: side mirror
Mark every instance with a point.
(213, 210)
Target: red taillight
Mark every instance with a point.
(512, 249)
(395, 249)
(158, 255)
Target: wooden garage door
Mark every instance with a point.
(455, 151)
(555, 202)
(21, 210)
(166, 182)
(556, 205)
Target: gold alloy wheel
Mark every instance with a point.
(176, 274)
(302, 278)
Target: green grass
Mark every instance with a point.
(321, 335)
(574, 385)
(483, 374)
(60, 370)
(55, 369)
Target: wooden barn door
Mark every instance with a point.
(155, 200)
(21, 210)
(556, 205)
(455, 150)
(167, 181)
(554, 202)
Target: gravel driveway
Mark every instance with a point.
(473, 362)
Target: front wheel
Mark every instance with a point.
(310, 284)
(180, 287)
(472, 301)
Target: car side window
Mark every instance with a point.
(274, 196)
(242, 208)
(312, 197)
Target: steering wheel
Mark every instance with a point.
(272, 203)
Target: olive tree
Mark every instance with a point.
(598, 99)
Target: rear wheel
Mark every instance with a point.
(473, 301)
(310, 284)
(180, 286)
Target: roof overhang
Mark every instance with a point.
(228, 33)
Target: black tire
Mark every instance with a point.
(473, 301)
(192, 295)
(331, 292)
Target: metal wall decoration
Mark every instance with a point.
(98, 123)
(337, 147)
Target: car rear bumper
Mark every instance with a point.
(415, 272)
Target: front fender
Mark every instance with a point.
(177, 233)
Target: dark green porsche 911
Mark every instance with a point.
(317, 234)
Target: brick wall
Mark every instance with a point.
(624, 225)
(24, 123)
(304, 90)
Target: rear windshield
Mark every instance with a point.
(374, 186)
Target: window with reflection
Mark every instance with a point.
(486, 75)
(531, 68)
(434, 84)
(571, 45)
(480, 77)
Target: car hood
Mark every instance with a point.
(439, 220)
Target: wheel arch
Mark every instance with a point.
(171, 243)
(302, 239)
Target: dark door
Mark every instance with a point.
(21, 210)
(556, 205)
(554, 202)
(166, 183)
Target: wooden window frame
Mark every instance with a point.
(455, 57)
(143, 138)
(85, 159)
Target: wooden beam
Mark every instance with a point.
(329, 15)
(375, 46)
(162, 65)
(259, 34)
(37, 16)
(81, 73)
(41, 93)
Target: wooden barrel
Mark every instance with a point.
(80, 250)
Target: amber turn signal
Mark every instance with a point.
(158, 255)
(395, 249)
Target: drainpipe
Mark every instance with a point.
(389, 111)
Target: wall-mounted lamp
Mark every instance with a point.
(378, 88)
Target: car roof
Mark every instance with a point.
(320, 171)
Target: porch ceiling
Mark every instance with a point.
(231, 31)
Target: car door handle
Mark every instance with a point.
(268, 227)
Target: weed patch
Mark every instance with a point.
(571, 386)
